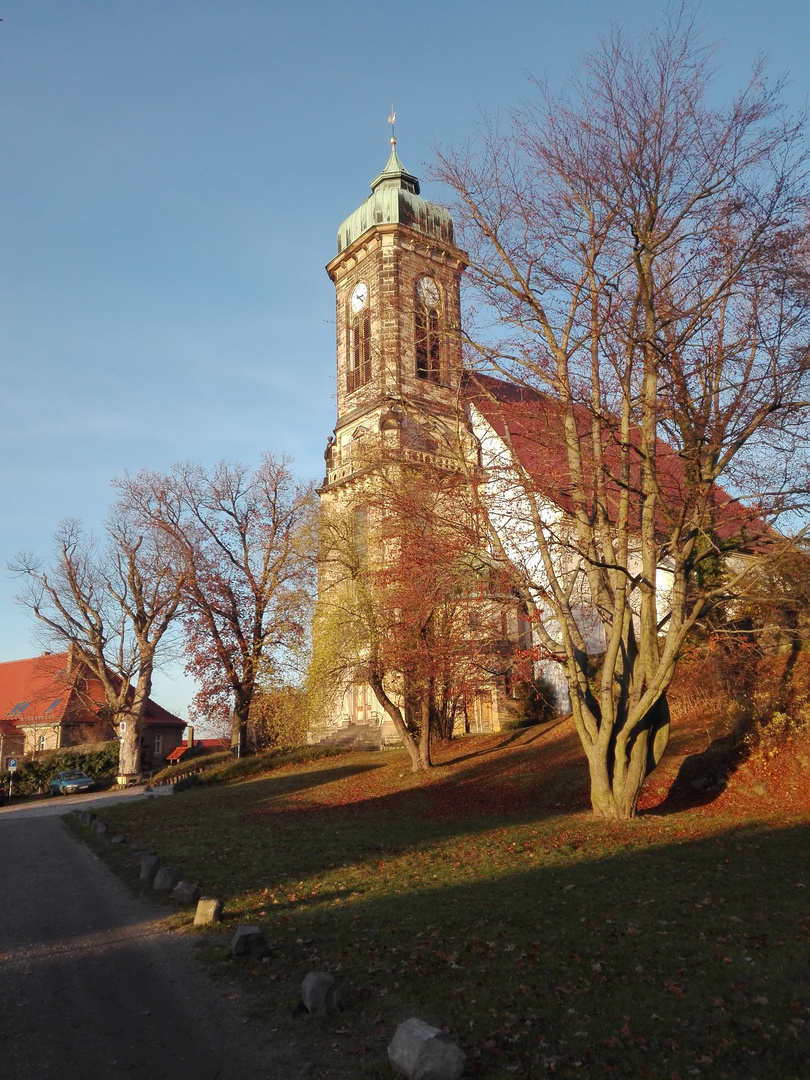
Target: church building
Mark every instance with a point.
(402, 389)
(400, 378)
(397, 278)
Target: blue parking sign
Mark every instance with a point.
(12, 764)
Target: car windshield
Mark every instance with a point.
(75, 775)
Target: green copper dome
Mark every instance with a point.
(395, 200)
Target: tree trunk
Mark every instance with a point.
(129, 751)
(130, 715)
(445, 723)
(424, 732)
(619, 766)
(239, 731)
(395, 713)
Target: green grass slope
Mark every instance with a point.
(486, 900)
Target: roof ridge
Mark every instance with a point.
(41, 656)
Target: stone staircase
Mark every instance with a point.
(355, 737)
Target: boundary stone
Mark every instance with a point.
(248, 944)
(186, 892)
(421, 1052)
(149, 867)
(166, 878)
(319, 992)
(209, 910)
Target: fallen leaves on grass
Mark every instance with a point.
(471, 898)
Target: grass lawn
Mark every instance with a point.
(487, 900)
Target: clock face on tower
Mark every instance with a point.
(359, 296)
(428, 292)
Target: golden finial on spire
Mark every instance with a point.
(391, 120)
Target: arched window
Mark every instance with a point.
(428, 330)
(358, 368)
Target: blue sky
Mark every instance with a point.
(172, 176)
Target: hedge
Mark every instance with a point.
(99, 760)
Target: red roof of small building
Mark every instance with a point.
(36, 687)
(42, 690)
(213, 744)
(208, 746)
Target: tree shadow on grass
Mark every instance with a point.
(704, 776)
(601, 962)
(443, 800)
(522, 736)
(290, 783)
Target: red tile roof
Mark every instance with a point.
(213, 744)
(208, 746)
(156, 716)
(42, 689)
(534, 421)
(36, 687)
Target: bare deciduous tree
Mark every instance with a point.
(245, 540)
(641, 255)
(112, 601)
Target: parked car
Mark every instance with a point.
(68, 783)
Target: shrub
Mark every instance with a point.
(278, 718)
(770, 736)
(99, 760)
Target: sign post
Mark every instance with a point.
(12, 768)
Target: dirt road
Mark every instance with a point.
(92, 984)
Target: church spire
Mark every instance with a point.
(395, 200)
(395, 174)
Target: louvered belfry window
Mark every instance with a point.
(358, 372)
(428, 330)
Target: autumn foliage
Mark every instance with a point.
(410, 603)
(244, 537)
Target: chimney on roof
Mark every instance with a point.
(190, 735)
(47, 652)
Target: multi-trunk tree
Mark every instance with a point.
(641, 253)
(245, 540)
(112, 603)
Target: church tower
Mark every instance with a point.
(397, 278)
